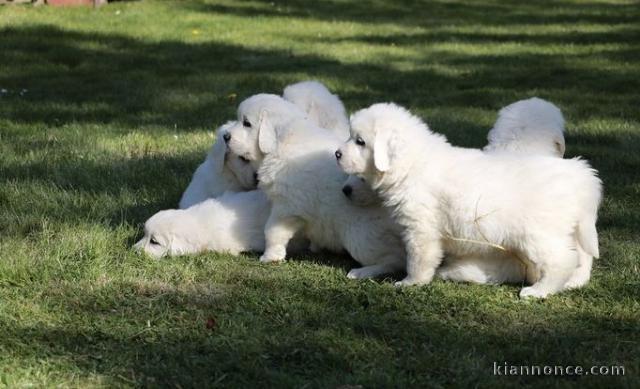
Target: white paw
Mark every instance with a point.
(411, 281)
(577, 282)
(356, 274)
(533, 292)
(266, 259)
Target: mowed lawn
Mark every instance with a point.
(104, 115)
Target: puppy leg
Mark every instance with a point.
(373, 271)
(582, 274)
(278, 231)
(424, 254)
(557, 262)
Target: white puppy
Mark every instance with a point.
(302, 180)
(256, 113)
(469, 204)
(221, 171)
(233, 223)
(322, 107)
(532, 126)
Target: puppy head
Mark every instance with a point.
(367, 152)
(259, 116)
(378, 133)
(165, 234)
(359, 192)
(227, 162)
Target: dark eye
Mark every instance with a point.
(243, 159)
(246, 123)
(360, 141)
(153, 241)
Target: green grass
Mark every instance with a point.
(120, 107)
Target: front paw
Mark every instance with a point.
(412, 281)
(270, 259)
(359, 273)
(533, 292)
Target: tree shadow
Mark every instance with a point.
(432, 13)
(151, 333)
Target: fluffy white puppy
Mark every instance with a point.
(300, 177)
(233, 223)
(469, 204)
(257, 113)
(221, 171)
(322, 107)
(532, 126)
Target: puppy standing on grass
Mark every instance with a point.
(541, 210)
(224, 171)
(299, 175)
(268, 112)
(529, 127)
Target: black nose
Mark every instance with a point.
(347, 190)
(338, 154)
(226, 137)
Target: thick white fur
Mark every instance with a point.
(322, 107)
(233, 223)
(264, 114)
(467, 203)
(221, 171)
(259, 113)
(302, 180)
(532, 126)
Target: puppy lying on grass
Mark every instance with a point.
(232, 223)
(207, 224)
(469, 204)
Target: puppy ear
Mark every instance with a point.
(219, 152)
(266, 134)
(381, 150)
(559, 144)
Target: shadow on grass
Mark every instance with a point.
(433, 13)
(98, 78)
(272, 332)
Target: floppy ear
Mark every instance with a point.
(381, 150)
(560, 147)
(266, 134)
(219, 152)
